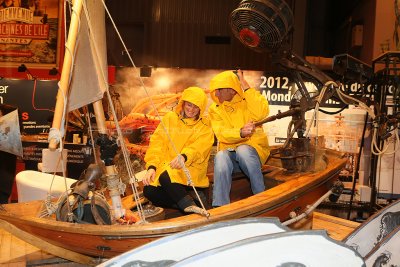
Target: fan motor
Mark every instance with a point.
(261, 25)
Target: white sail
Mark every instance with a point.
(90, 67)
(10, 136)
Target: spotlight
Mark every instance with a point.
(145, 71)
(53, 72)
(22, 68)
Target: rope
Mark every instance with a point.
(56, 134)
(315, 113)
(362, 105)
(120, 140)
(308, 211)
(91, 135)
(185, 170)
(375, 148)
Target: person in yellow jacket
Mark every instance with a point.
(242, 146)
(182, 142)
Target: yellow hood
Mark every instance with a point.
(194, 95)
(183, 136)
(226, 79)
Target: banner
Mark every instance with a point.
(35, 101)
(29, 32)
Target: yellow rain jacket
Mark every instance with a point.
(192, 137)
(229, 117)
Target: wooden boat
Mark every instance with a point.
(289, 192)
(85, 243)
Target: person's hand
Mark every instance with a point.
(178, 162)
(149, 177)
(248, 129)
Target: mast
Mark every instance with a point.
(108, 147)
(63, 89)
(108, 151)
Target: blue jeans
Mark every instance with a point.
(245, 159)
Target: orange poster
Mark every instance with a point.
(29, 31)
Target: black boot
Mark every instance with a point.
(188, 205)
(186, 201)
(202, 196)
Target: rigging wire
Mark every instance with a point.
(90, 130)
(54, 133)
(58, 134)
(132, 177)
(185, 170)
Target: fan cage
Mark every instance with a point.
(269, 20)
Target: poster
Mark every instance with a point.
(35, 101)
(29, 32)
(276, 87)
(78, 158)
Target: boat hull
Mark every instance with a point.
(294, 193)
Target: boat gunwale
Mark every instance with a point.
(250, 206)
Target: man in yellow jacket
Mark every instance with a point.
(179, 146)
(242, 146)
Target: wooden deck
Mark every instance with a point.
(14, 252)
(337, 228)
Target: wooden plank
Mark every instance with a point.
(13, 250)
(5, 246)
(337, 228)
(337, 220)
(57, 251)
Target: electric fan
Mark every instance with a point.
(260, 24)
(263, 26)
